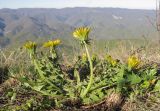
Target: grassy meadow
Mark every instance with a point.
(81, 74)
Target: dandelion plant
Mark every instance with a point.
(133, 62)
(44, 82)
(31, 47)
(52, 44)
(82, 34)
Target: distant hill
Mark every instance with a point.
(107, 23)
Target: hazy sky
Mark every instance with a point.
(133, 4)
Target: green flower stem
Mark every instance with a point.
(91, 72)
(53, 52)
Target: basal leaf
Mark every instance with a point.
(13, 96)
(157, 86)
(134, 79)
(145, 84)
(94, 97)
(37, 88)
(76, 75)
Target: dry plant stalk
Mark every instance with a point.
(158, 18)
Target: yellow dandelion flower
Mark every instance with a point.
(52, 43)
(84, 57)
(94, 57)
(81, 33)
(56, 42)
(152, 81)
(113, 63)
(111, 60)
(48, 44)
(108, 58)
(133, 62)
(29, 45)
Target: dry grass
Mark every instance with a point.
(149, 53)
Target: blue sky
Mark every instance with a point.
(133, 4)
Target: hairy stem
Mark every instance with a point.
(91, 71)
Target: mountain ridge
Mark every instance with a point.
(107, 23)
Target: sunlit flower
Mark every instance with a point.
(48, 44)
(94, 57)
(52, 43)
(108, 58)
(29, 45)
(111, 60)
(81, 33)
(113, 63)
(57, 42)
(133, 62)
(84, 57)
(152, 81)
